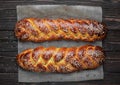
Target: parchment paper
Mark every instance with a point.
(58, 11)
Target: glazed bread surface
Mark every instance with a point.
(39, 30)
(61, 60)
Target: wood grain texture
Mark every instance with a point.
(11, 78)
(9, 54)
(10, 66)
(8, 42)
(8, 46)
(7, 35)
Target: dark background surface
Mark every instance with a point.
(8, 42)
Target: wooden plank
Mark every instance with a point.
(109, 78)
(106, 4)
(7, 35)
(113, 1)
(112, 55)
(10, 45)
(7, 13)
(7, 24)
(10, 66)
(112, 66)
(112, 36)
(107, 10)
(8, 78)
(12, 79)
(112, 23)
(9, 54)
(12, 5)
(111, 46)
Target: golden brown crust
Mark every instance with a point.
(61, 60)
(39, 30)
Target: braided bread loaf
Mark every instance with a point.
(39, 30)
(61, 60)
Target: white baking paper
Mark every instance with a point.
(58, 11)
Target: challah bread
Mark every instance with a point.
(39, 30)
(61, 60)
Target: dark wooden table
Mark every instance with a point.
(8, 42)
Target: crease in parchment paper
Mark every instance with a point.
(58, 11)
